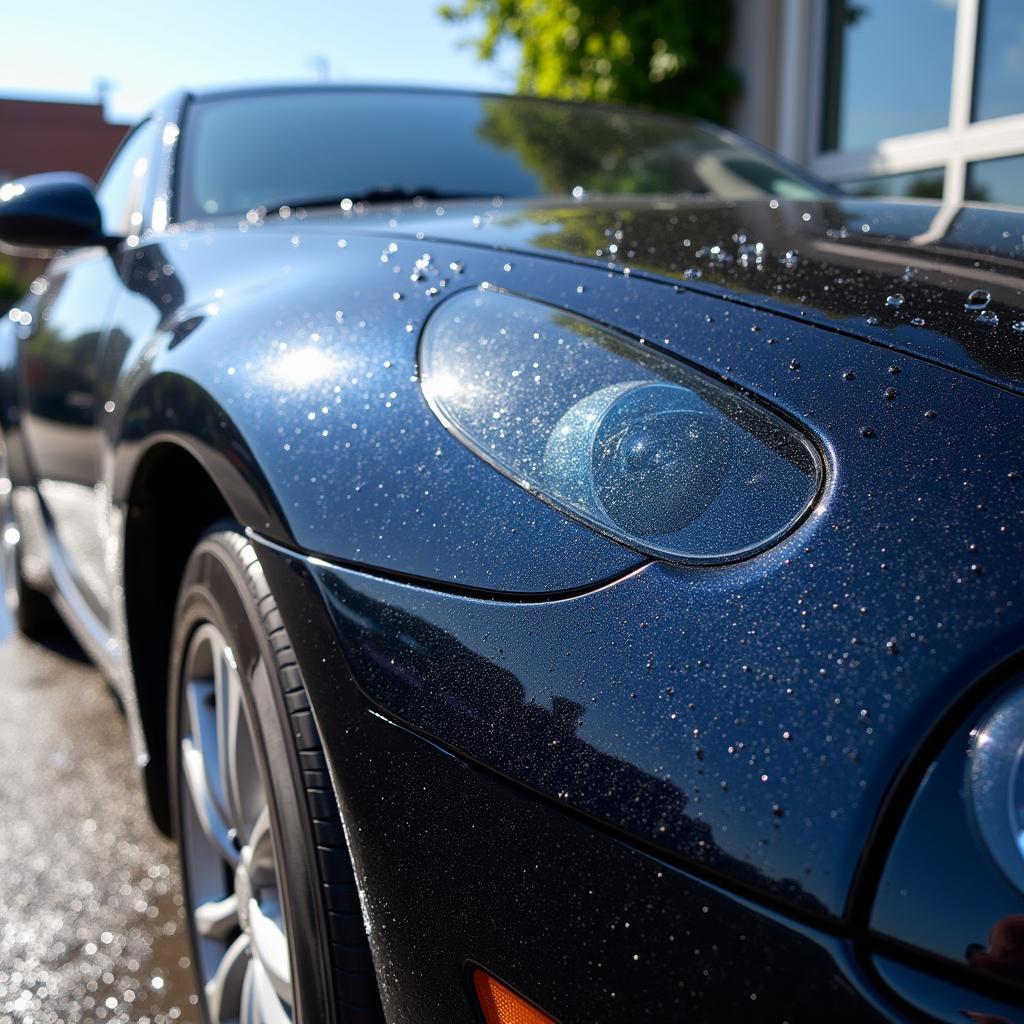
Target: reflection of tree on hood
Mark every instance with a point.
(583, 230)
(838, 272)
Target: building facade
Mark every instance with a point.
(44, 135)
(894, 97)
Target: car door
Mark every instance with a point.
(60, 362)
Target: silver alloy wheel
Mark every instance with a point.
(228, 849)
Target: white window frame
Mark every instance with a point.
(952, 148)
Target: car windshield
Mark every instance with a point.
(311, 147)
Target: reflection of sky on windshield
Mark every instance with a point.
(331, 147)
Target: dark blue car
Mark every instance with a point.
(559, 563)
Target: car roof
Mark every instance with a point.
(264, 88)
(218, 92)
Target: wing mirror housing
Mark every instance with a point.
(45, 212)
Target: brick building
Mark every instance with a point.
(40, 135)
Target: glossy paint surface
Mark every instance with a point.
(748, 718)
(303, 325)
(457, 867)
(743, 725)
(63, 356)
(329, 403)
(899, 273)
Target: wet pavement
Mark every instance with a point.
(91, 927)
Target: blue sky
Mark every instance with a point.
(62, 47)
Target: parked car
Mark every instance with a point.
(557, 562)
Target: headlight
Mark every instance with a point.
(649, 458)
(640, 446)
(996, 784)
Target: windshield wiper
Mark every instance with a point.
(381, 195)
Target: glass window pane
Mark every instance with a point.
(889, 69)
(999, 66)
(309, 147)
(120, 193)
(997, 181)
(913, 185)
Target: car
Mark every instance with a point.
(558, 562)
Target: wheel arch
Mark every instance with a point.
(180, 464)
(173, 499)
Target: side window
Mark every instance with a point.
(122, 189)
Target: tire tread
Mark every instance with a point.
(355, 981)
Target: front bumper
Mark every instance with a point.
(458, 865)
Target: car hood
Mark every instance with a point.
(940, 282)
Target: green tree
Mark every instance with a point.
(12, 286)
(665, 54)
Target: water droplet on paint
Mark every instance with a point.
(978, 299)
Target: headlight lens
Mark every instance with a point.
(638, 445)
(996, 784)
(647, 457)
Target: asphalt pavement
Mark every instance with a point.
(91, 926)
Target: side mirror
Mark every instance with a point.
(51, 211)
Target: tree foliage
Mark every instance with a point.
(12, 286)
(665, 54)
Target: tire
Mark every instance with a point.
(264, 859)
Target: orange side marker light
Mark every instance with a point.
(500, 1005)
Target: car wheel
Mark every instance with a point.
(274, 917)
